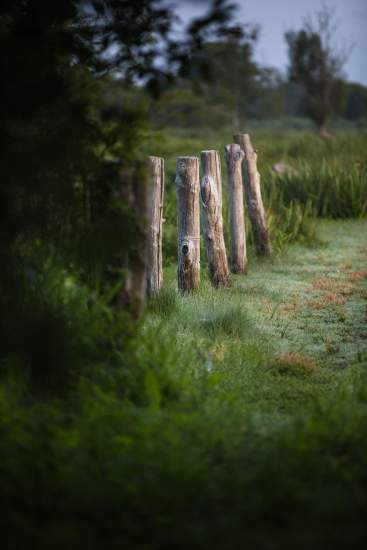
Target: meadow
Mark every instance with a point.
(328, 179)
(230, 418)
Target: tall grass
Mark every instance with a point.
(326, 189)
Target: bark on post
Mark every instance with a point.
(211, 200)
(188, 185)
(154, 273)
(253, 196)
(234, 158)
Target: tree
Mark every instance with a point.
(69, 147)
(59, 62)
(356, 103)
(218, 64)
(316, 62)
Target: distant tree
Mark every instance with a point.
(59, 62)
(356, 103)
(315, 63)
(268, 94)
(218, 64)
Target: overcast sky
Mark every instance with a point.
(277, 16)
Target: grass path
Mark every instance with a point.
(314, 300)
(285, 333)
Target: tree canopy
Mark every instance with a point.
(316, 64)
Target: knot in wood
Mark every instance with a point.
(187, 246)
(207, 188)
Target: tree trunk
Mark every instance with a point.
(155, 224)
(253, 196)
(134, 194)
(188, 185)
(234, 158)
(211, 200)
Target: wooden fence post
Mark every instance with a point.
(211, 200)
(187, 186)
(253, 196)
(155, 224)
(234, 158)
(134, 196)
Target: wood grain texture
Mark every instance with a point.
(187, 187)
(154, 270)
(234, 158)
(253, 196)
(211, 202)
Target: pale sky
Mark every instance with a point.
(277, 16)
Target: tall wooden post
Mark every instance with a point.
(155, 224)
(211, 200)
(134, 197)
(188, 185)
(234, 158)
(253, 196)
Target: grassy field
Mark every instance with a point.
(231, 418)
(329, 180)
(285, 333)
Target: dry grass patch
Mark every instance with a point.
(333, 286)
(291, 307)
(284, 308)
(267, 306)
(293, 364)
(356, 276)
(326, 300)
(336, 291)
(218, 352)
(346, 266)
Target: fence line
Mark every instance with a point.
(241, 160)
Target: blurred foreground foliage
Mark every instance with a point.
(159, 447)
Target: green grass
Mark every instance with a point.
(238, 418)
(308, 302)
(231, 418)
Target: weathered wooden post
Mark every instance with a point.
(234, 157)
(211, 200)
(188, 186)
(134, 197)
(155, 224)
(253, 196)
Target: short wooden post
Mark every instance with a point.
(187, 186)
(253, 196)
(211, 200)
(155, 224)
(234, 158)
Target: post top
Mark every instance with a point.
(232, 146)
(154, 157)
